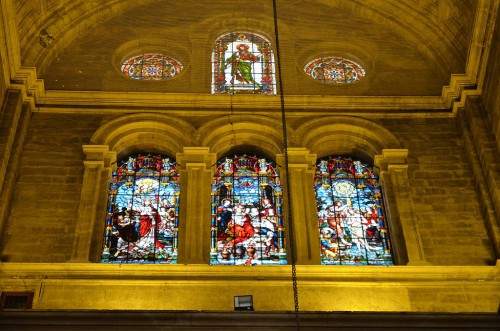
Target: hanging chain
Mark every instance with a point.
(293, 252)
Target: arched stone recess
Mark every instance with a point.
(346, 135)
(114, 140)
(204, 35)
(232, 132)
(151, 132)
(373, 143)
(226, 135)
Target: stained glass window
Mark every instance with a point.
(243, 63)
(352, 222)
(151, 67)
(143, 207)
(335, 70)
(247, 218)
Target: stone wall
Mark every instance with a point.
(4, 74)
(42, 220)
(3, 85)
(45, 203)
(446, 204)
(492, 85)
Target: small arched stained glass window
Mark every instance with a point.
(143, 207)
(243, 62)
(352, 222)
(247, 218)
(335, 70)
(151, 67)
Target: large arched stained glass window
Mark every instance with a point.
(143, 207)
(352, 223)
(243, 62)
(247, 219)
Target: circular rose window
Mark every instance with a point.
(151, 67)
(334, 70)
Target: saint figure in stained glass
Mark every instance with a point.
(243, 63)
(247, 220)
(352, 223)
(142, 215)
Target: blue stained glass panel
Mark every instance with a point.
(142, 215)
(247, 219)
(351, 218)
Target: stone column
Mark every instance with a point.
(97, 170)
(301, 166)
(394, 180)
(195, 173)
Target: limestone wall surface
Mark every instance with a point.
(43, 215)
(446, 204)
(42, 219)
(492, 85)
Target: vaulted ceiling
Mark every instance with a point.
(408, 47)
(418, 54)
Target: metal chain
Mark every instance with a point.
(285, 147)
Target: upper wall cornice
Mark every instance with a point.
(65, 101)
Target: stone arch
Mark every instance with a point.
(146, 132)
(226, 134)
(224, 23)
(346, 135)
(114, 140)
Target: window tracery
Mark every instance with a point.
(247, 219)
(151, 67)
(334, 70)
(142, 215)
(351, 217)
(243, 62)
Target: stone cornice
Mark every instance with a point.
(300, 103)
(143, 273)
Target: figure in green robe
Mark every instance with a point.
(241, 65)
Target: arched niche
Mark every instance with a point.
(229, 134)
(369, 141)
(114, 140)
(346, 135)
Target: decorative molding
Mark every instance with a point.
(97, 168)
(20, 272)
(393, 172)
(457, 289)
(301, 168)
(189, 101)
(196, 175)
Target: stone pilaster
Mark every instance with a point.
(14, 125)
(399, 206)
(195, 167)
(97, 169)
(482, 153)
(301, 166)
